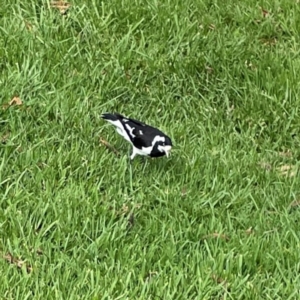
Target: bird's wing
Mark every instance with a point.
(139, 123)
(131, 122)
(116, 120)
(139, 133)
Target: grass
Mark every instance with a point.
(217, 220)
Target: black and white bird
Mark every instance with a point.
(146, 140)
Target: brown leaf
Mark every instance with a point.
(269, 41)
(295, 204)
(39, 251)
(287, 170)
(219, 280)
(17, 262)
(265, 13)
(209, 69)
(28, 25)
(4, 137)
(183, 191)
(124, 209)
(62, 6)
(265, 166)
(287, 153)
(29, 268)
(19, 149)
(128, 76)
(230, 110)
(107, 145)
(131, 220)
(250, 65)
(15, 101)
(151, 275)
(216, 235)
(249, 231)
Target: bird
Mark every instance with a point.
(145, 139)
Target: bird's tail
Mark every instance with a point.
(110, 117)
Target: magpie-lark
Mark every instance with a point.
(146, 140)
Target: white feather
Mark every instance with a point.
(147, 150)
(130, 129)
(120, 129)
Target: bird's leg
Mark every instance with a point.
(133, 154)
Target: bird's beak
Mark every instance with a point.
(167, 152)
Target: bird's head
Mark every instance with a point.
(165, 146)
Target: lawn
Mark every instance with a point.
(219, 219)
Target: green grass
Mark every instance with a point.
(217, 76)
